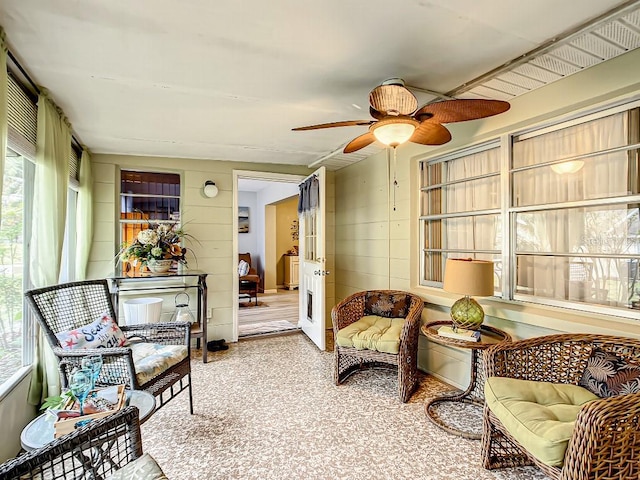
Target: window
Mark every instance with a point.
(575, 212)
(144, 197)
(310, 220)
(461, 203)
(557, 211)
(15, 348)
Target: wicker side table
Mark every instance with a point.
(473, 395)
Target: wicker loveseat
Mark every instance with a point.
(388, 304)
(604, 441)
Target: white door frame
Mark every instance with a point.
(251, 175)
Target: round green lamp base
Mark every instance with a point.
(467, 313)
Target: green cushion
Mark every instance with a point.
(539, 415)
(372, 332)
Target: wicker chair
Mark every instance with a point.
(605, 443)
(95, 450)
(64, 307)
(349, 360)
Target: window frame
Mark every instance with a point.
(508, 212)
(122, 195)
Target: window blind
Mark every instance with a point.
(22, 118)
(22, 113)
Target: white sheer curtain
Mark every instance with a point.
(568, 230)
(3, 105)
(473, 232)
(49, 213)
(84, 216)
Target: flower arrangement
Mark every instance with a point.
(161, 241)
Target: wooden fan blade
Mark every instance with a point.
(359, 142)
(430, 133)
(451, 111)
(348, 123)
(393, 100)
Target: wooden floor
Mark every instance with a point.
(273, 309)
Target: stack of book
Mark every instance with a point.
(459, 333)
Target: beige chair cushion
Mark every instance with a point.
(143, 468)
(540, 415)
(372, 333)
(151, 359)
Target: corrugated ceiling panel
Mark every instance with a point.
(596, 45)
(523, 81)
(576, 57)
(620, 34)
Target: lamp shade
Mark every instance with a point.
(468, 277)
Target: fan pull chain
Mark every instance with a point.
(395, 180)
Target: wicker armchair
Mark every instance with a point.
(64, 307)
(95, 450)
(605, 443)
(349, 360)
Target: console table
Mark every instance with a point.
(150, 282)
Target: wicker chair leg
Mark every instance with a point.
(497, 450)
(190, 394)
(407, 378)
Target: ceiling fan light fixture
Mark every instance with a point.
(567, 167)
(394, 132)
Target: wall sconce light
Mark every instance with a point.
(210, 189)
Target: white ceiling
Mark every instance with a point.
(228, 80)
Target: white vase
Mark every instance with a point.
(159, 266)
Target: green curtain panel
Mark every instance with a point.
(3, 105)
(84, 236)
(51, 187)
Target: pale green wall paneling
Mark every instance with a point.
(366, 259)
(209, 220)
(15, 413)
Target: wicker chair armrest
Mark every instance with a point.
(411, 327)
(84, 352)
(348, 311)
(172, 333)
(551, 358)
(605, 441)
(117, 365)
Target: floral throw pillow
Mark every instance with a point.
(387, 305)
(101, 333)
(608, 375)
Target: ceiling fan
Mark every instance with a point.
(398, 119)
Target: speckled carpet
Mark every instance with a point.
(267, 409)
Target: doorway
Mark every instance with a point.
(266, 228)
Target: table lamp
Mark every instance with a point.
(468, 277)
